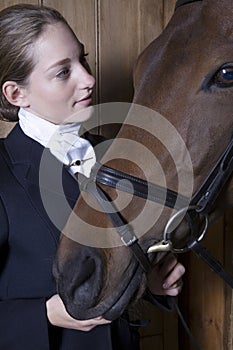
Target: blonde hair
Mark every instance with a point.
(20, 26)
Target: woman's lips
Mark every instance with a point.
(86, 101)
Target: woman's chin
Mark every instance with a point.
(81, 114)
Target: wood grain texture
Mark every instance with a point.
(6, 3)
(203, 296)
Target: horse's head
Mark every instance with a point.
(186, 75)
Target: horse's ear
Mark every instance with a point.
(184, 2)
(15, 94)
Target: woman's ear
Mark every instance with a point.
(15, 94)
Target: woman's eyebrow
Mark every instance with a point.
(59, 63)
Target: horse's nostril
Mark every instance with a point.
(83, 279)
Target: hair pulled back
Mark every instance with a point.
(20, 26)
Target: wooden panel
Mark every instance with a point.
(203, 296)
(161, 333)
(6, 3)
(125, 29)
(118, 48)
(152, 343)
(5, 128)
(150, 22)
(168, 9)
(228, 336)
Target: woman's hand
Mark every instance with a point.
(165, 277)
(58, 316)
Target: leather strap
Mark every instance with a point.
(209, 191)
(210, 260)
(139, 187)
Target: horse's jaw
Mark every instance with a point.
(86, 286)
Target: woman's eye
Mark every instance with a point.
(223, 78)
(63, 74)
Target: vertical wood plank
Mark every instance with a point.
(168, 10)
(125, 29)
(150, 22)
(203, 296)
(5, 128)
(151, 335)
(118, 48)
(229, 292)
(6, 3)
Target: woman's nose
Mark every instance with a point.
(87, 79)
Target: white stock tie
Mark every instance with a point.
(63, 141)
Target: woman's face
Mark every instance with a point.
(59, 86)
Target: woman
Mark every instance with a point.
(44, 80)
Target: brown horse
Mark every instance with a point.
(184, 80)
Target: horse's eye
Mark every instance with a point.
(223, 78)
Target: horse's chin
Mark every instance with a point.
(137, 285)
(112, 306)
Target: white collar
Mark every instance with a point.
(63, 140)
(42, 130)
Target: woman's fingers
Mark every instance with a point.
(165, 277)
